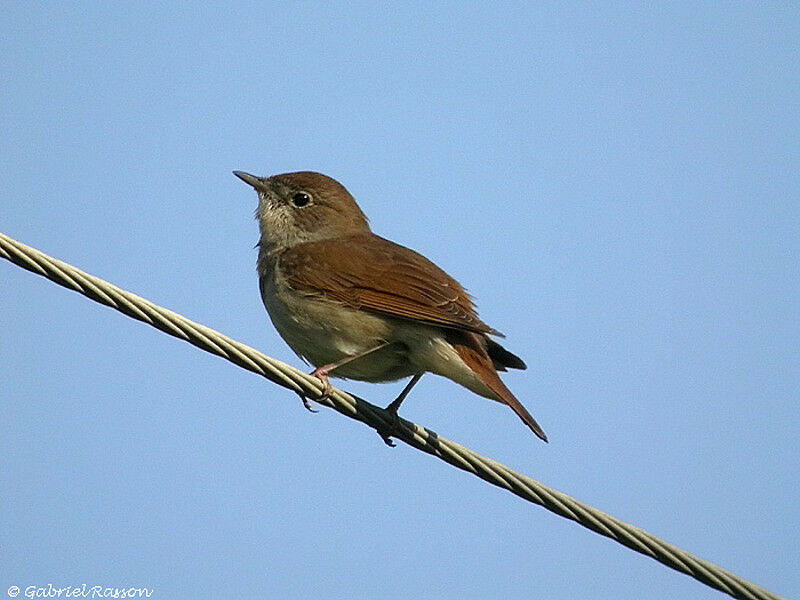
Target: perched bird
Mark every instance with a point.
(358, 306)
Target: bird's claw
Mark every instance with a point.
(307, 404)
(387, 439)
(327, 388)
(392, 429)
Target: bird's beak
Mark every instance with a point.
(257, 182)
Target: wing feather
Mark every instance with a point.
(368, 272)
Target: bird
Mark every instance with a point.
(358, 306)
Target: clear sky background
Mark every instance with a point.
(616, 185)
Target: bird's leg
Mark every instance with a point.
(395, 404)
(322, 372)
(392, 409)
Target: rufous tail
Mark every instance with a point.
(482, 366)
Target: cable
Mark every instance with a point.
(356, 408)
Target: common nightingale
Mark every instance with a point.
(358, 306)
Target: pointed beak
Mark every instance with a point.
(258, 183)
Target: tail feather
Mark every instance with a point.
(501, 357)
(499, 388)
(482, 365)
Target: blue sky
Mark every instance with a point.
(616, 184)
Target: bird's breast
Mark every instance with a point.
(323, 332)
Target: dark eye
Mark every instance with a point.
(300, 199)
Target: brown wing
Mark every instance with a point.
(371, 273)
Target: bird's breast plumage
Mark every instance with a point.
(322, 331)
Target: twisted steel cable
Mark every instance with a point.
(351, 406)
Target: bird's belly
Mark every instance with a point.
(324, 332)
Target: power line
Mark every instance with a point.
(356, 408)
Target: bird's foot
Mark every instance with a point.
(393, 428)
(321, 373)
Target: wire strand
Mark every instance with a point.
(354, 407)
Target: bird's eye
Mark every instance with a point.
(300, 199)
